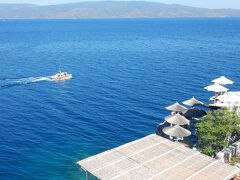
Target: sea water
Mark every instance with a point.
(124, 73)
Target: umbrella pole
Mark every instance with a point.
(216, 95)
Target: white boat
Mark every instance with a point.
(61, 76)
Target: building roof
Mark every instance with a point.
(154, 157)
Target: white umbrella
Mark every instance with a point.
(176, 107)
(216, 88)
(176, 131)
(222, 80)
(177, 119)
(193, 101)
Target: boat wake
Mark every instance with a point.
(9, 82)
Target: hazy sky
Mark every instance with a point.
(197, 3)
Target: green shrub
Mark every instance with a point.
(215, 130)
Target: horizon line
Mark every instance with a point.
(94, 1)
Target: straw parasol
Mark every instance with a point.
(222, 80)
(176, 108)
(177, 119)
(176, 131)
(216, 88)
(193, 101)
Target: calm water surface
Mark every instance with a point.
(124, 73)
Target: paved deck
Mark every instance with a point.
(154, 157)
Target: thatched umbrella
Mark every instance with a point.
(222, 80)
(193, 101)
(176, 108)
(176, 131)
(177, 119)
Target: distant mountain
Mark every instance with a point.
(109, 9)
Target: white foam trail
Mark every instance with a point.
(32, 80)
(22, 81)
(37, 79)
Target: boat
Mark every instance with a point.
(61, 76)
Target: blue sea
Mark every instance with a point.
(124, 73)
